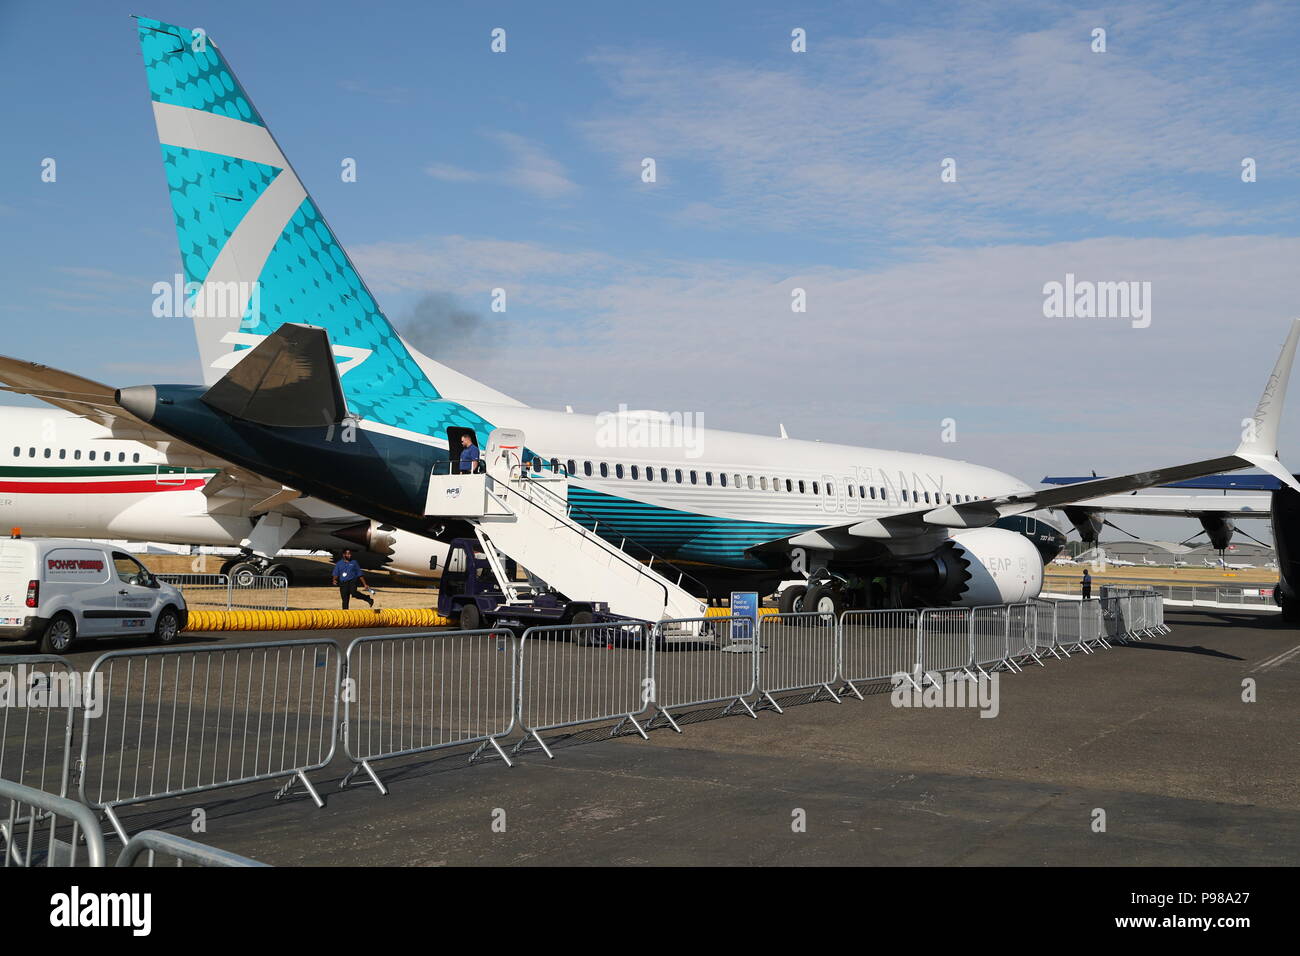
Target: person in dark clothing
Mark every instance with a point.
(347, 575)
(469, 455)
(1086, 584)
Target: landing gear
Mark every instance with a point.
(826, 598)
(792, 599)
(244, 573)
(279, 570)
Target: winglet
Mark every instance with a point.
(1260, 439)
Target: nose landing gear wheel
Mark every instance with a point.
(793, 599)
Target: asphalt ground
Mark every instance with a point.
(1155, 736)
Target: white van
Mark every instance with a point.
(58, 590)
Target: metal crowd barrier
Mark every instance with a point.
(222, 592)
(178, 721)
(575, 674)
(799, 651)
(990, 637)
(36, 726)
(43, 829)
(944, 640)
(150, 843)
(878, 645)
(702, 661)
(415, 693)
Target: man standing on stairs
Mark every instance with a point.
(347, 575)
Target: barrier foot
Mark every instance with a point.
(540, 742)
(771, 700)
(370, 771)
(743, 703)
(848, 685)
(824, 687)
(117, 825)
(628, 718)
(667, 716)
(311, 791)
(1037, 660)
(484, 745)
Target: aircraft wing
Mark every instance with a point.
(1188, 506)
(1258, 449)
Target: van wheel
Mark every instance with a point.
(470, 618)
(59, 635)
(169, 625)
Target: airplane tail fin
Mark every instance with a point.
(255, 250)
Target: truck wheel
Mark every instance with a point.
(470, 618)
(169, 625)
(59, 634)
(792, 599)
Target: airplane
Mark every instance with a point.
(65, 475)
(1222, 564)
(1121, 563)
(317, 392)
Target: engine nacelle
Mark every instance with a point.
(402, 551)
(1002, 567)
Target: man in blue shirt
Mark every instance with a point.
(347, 575)
(1086, 585)
(469, 454)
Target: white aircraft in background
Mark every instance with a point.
(1226, 566)
(65, 475)
(1121, 563)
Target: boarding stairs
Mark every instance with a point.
(526, 516)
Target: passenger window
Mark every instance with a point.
(129, 571)
(789, 485)
(708, 478)
(722, 478)
(801, 491)
(678, 474)
(135, 457)
(573, 467)
(121, 456)
(92, 456)
(693, 480)
(816, 491)
(649, 473)
(883, 494)
(851, 493)
(663, 475)
(604, 469)
(636, 472)
(762, 482)
(586, 468)
(63, 453)
(618, 471)
(31, 452)
(830, 490)
(76, 455)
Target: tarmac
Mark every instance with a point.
(1155, 735)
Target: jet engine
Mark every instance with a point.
(978, 567)
(399, 550)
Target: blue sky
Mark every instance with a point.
(776, 170)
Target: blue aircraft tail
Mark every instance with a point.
(255, 250)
